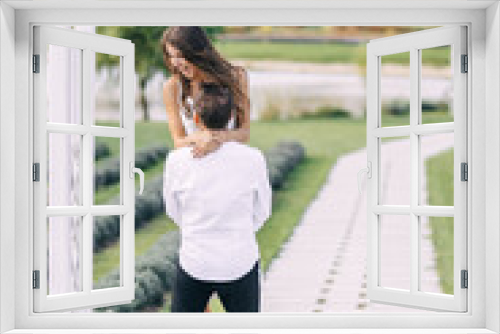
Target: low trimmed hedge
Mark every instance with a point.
(147, 206)
(281, 159)
(145, 158)
(155, 269)
(101, 151)
(154, 272)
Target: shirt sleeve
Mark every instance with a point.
(171, 202)
(263, 194)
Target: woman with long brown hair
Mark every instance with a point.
(193, 62)
(220, 255)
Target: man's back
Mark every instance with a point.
(219, 201)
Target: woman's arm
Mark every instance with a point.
(170, 99)
(242, 133)
(214, 138)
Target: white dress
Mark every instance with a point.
(188, 122)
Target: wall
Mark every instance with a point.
(7, 125)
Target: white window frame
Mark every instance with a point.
(87, 44)
(413, 44)
(483, 147)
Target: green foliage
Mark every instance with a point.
(281, 159)
(327, 112)
(397, 108)
(102, 151)
(154, 272)
(108, 172)
(440, 187)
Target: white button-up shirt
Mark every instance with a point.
(219, 202)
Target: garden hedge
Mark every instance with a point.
(109, 172)
(101, 151)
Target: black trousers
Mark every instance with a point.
(190, 294)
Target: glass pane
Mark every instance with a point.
(437, 174)
(107, 172)
(436, 254)
(395, 244)
(394, 184)
(64, 260)
(436, 86)
(106, 252)
(395, 89)
(106, 95)
(63, 169)
(64, 84)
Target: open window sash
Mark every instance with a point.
(79, 209)
(455, 38)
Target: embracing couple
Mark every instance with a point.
(216, 188)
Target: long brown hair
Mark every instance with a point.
(196, 48)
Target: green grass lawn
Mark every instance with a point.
(439, 180)
(335, 52)
(325, 139)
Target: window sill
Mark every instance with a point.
(255, 331)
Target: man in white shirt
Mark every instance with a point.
(219, 202)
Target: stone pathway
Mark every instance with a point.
(322, 268)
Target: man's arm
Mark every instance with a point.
(171, 203)
(263, 194)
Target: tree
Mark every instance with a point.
(148, 53)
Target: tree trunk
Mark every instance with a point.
(144, 101)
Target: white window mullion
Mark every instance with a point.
(87, 171)
(372, 187)
(127, 225)
(414, 169)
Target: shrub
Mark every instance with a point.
(327, 112)
(397, 108)
(281, 159)
(147, 206)
(154, 274)
(145, 158)
(101, 151)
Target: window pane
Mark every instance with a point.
(395, 243)
(437, 174)
(64, 260)
(395, 89)
(436, 254)
(107, 172)
(63, 169)
(394, 184)
(64, 84)
(436, 86)
(106, 264)
(106, 95)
